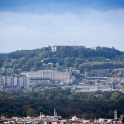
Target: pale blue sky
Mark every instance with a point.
(31, 24)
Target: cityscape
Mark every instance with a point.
(55, 119)
(53, 79)
(61, 62)
(93, 80)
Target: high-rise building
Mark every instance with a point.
(115, 114)
(23, 82)
(12, 81)
(2, 80)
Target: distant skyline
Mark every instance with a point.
(32, 24)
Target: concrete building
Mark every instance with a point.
(50, 74)
(95, 48)
(94, 79)
(54, 48)
(12, 81)
(38, 80)
(23, 82)
(2, 80)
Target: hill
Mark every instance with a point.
(63, 57)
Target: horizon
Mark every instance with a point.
(69, 45)
(29, 24)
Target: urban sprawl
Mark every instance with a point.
(55, 119)
(95, 80)
(64, 79)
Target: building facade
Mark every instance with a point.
(23, 82)
(2, 80)
(50, 74)
(11, 81)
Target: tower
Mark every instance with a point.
(55, 113)
(54, 48)
(115, 114)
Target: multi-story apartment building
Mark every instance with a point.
(51, 74)
(17, 82)
(23, 82)
(11, 81)
(2, 80)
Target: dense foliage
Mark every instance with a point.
(65, 57)
(67, 104)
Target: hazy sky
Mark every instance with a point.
(31, 24)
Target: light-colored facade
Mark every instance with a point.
(23, 82)
(51, 74)
(11, 81)
(54, 48)
(2, 80)
(17, 82)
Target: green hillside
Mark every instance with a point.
(64, 57)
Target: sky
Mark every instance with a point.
(32, 24)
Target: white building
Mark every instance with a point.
(23, 82)
(12, 81)
(53, 48)
(51, 74)
(2, 80)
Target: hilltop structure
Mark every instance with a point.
(54, 48)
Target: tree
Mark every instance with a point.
(31, 112)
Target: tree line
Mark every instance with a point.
(67, 104)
